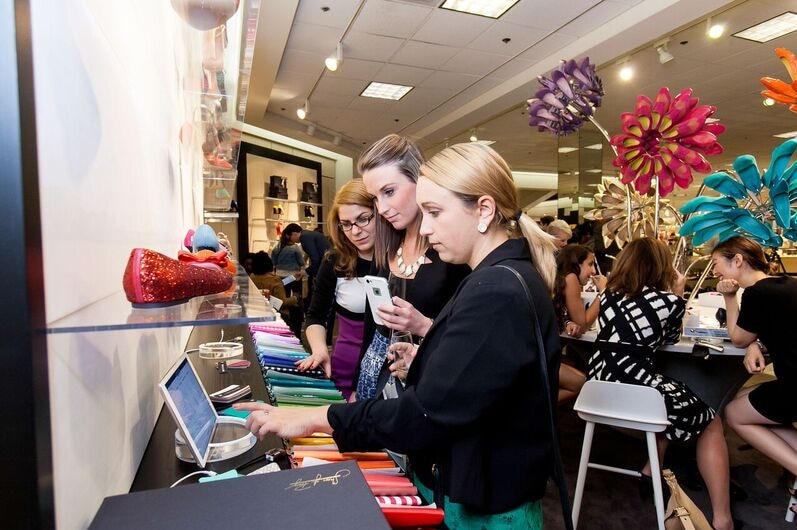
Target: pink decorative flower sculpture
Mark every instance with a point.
(667, 138)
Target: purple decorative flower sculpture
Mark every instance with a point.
(567, 98)
(666, 138)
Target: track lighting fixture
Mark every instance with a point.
(664, 54)
(302, 112)
(311, 129)
(473, 137)
(333, 61)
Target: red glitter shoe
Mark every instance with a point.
(152, 279)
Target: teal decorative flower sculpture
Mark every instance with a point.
(750, 201)
(667, 138)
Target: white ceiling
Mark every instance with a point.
(466, 77)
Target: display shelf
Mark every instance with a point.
(240, 304)
(221, 215)
(286, 201)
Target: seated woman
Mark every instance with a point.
(575, 266)
(641, 309)
(762, 416)
(339, 286)
(464, 418)
(271, 285)
(561, 232)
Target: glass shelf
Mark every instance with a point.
(240, 304)
(286, 201)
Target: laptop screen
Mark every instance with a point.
(193, 411)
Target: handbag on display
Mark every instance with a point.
(310, 192)
(277, 187)
(681, 512)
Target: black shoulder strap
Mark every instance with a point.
(558, 471)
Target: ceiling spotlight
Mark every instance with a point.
(768, 102)
(714, 31)
(302, 112)
(664, 54)
(336, 139)
(473, 137)
(311, 129)
(333, 61)
(626, 73)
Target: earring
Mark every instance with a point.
(482, 228)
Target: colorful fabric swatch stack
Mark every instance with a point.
(278, 350)
(287, 386)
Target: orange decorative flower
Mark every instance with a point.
(781, 91)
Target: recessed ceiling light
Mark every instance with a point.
(596, 147)
(768, 102)
(791, 134)
(567, 149)
(485, 8)
(385, 91)
(626, 73)
(770, 29)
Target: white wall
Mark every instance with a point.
(111, 98)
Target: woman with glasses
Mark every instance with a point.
(421, 283)
(339, 286)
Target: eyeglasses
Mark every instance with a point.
(361, 222)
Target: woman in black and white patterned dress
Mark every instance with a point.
(640, 310)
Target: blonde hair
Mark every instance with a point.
(558, 225)
(471, 170)
(392, 150)
(354, 193)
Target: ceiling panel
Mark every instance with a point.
(423, 54)
(491, 41)
(547, 14)
(337, 15)
(301, 62)
(594, 17)
(356, 69)
(449, 81)
(391, 19)
(451, 28)
(314, 38)
(368, 47)
(474, 62)
(402, 75)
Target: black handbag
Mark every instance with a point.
(558, 471)
(277, 188)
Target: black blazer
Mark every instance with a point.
(474, 405)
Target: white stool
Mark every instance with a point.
(792, 500)
(630, 406)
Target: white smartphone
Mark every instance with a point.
(378, 293)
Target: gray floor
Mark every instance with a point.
(612, 501)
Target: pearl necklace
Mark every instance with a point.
(408, 270)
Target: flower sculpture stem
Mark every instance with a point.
(628, 202)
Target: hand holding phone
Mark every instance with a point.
(378, 293)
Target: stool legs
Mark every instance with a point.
(792, 500)
(655, 473)
(586, 447)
